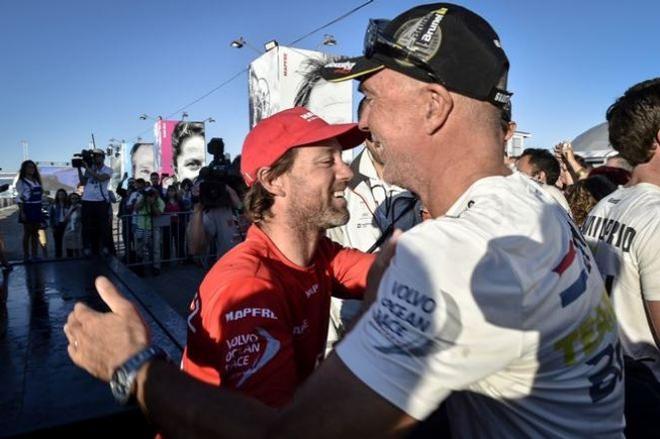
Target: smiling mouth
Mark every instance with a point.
(338, 194)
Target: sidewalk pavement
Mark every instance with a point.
(12, 233)
(177, 284)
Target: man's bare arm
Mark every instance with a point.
(653, 316)
(197, 241)
(333, 401)
(183, 407)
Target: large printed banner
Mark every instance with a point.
(285, 77)
(58, 177)
(179, 149)
(116, 161)
(139, 160)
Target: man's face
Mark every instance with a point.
(524, 165)
(191, 158)
(392, 114)
(314, 187)
(99, 159)
(154, 179)
(143, 161)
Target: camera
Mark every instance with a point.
(85, 156)
(215, 177)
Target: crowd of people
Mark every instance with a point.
(156, 219)
(513, 304)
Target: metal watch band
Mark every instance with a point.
(123, 378)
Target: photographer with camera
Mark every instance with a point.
(96, 230)
(213, 215)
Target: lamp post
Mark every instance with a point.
(145, 116)
(242, 42)
(24, 144)
(329, 40)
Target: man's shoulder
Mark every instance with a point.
(641, 200)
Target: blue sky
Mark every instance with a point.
(72, 68)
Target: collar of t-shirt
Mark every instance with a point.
(255, 233)
(465, 201)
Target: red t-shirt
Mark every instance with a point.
(259, 322)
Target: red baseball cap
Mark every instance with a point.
(275, 135)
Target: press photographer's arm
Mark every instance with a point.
(197, 237)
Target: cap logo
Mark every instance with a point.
(502, 97)
(422, 35)
(309, 116)
(345, 66)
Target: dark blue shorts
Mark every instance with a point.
(32, 212)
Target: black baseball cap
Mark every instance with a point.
(438, 42)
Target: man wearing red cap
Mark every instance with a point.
(493, 307)
(258, 323)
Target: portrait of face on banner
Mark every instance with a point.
(116, 162)
(286, 77)
(142, 160)
(263, 87)
(180, 148)
(331, 101)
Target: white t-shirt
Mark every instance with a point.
(558, 196)
(372, 205)
(24, 189)
(623, 231)
(97, 190)
(499, 304)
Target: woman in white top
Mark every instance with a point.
(29, 202)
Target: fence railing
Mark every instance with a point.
(142, 239)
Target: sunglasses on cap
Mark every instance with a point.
(377, 42)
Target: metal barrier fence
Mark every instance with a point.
(142, 239)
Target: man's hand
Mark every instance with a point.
(101, 342)
(378, 268)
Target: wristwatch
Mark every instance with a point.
(123, 378)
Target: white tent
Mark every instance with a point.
(594, 144)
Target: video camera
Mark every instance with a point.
(86, 156)
(215, 177)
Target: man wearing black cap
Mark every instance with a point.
(494, 306)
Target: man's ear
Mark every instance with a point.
(274, 185)
(541, 176)
(438, 104)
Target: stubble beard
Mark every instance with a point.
(307, 214)
(398, 169)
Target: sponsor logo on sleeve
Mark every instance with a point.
(270, 349)
(194, 311)
(407, 319)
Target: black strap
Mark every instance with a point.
(390, 229)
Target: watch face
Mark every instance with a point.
(121, 386)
